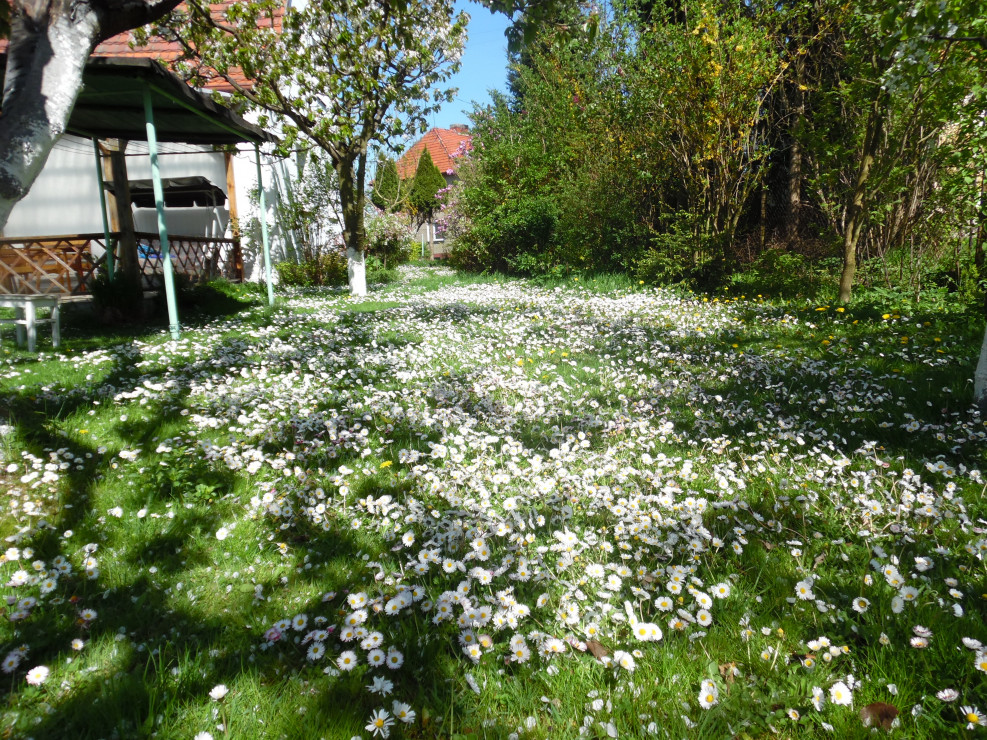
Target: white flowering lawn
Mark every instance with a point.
(484, 509)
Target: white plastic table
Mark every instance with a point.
(26, 319)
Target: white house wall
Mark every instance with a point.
(245, 178)
(65, 197)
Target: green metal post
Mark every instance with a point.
(110, 248)
(263, 229)
(169, 276)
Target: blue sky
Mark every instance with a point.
(484, 65)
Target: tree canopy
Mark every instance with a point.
(388, 193)
(345, 75)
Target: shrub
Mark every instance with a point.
(389, 238)
(327, 269)
(117, 300)
(518, 236)
(685, 253)
(379, 272)
(468, 254)
(779, 273)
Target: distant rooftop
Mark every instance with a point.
(443, 144)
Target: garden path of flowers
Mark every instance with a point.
(487, 509)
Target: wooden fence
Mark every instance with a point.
(65, 265)
(196, 257)
(48, 264)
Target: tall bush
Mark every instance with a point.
(683, 141)
(389, 237)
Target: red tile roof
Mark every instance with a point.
(443, 144)
(168, 51)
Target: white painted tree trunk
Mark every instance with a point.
(44, 76)
(357, 270)
(980, 379)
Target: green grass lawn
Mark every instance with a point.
(483, 508)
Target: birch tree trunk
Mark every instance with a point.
(980, 379)
(45, 60)
(50, 41)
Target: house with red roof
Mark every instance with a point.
(446, 147)
(167, 52)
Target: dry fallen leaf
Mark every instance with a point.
(599, 652)
(879, 714)
(728, 672)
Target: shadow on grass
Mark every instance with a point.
(162, 651)
(191, 648)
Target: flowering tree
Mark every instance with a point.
(344, 74)
(49, 44)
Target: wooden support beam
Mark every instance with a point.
(121, 210)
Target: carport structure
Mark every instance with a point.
(138, 99)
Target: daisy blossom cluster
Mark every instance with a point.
(546, 478)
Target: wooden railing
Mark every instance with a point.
(43, 265)
(65, 265)
(196, 257)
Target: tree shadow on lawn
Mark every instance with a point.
(837, 557)
(177, 654)
(83, 331)
(761, 382)
(756, 389)
(189, 647)
(139, 685)
(176, 650)
(450, 312)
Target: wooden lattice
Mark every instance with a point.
(48, 265)
(45, 265)
(197, 258)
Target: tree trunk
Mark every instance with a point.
(50, 41)
(855, 208)
(123, 212)
(763, 217)
(45, 59)
(794, 206)
(980, 380)
(978, 235)
(356, 271)
(351, 203)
